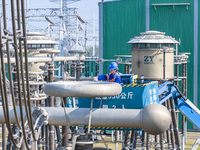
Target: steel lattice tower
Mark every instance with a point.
(62, 23)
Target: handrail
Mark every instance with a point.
(172, 4)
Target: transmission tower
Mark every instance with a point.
(62, 23)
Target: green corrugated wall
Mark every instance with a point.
(178, 23)
(118, 29)
(125, 19)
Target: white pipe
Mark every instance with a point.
(47, 59)
(154, 118)
(69, 58)
(82, 89)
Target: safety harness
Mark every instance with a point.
(113, 80)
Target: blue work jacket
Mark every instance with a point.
(110, 78)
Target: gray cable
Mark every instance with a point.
(9, 65)
(28, 146)
(26, 67)
(4, 91)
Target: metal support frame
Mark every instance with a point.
(135, 134)
(147, 142)
(161, 142)
(90, 115)
(65, 129)
(126, 139)
(172, 141)
(184, 120)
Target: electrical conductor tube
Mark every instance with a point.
(154, 118)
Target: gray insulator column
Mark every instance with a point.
(51, 104)
(127, 68)
(68, 69)
(81, 146)
(73, 70)
(78, 71)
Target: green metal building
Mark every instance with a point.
(123, 19)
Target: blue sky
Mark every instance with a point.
(87, 8)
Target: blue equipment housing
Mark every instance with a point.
(138, 94)
(133, 96)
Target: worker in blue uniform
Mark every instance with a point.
(113, 76)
